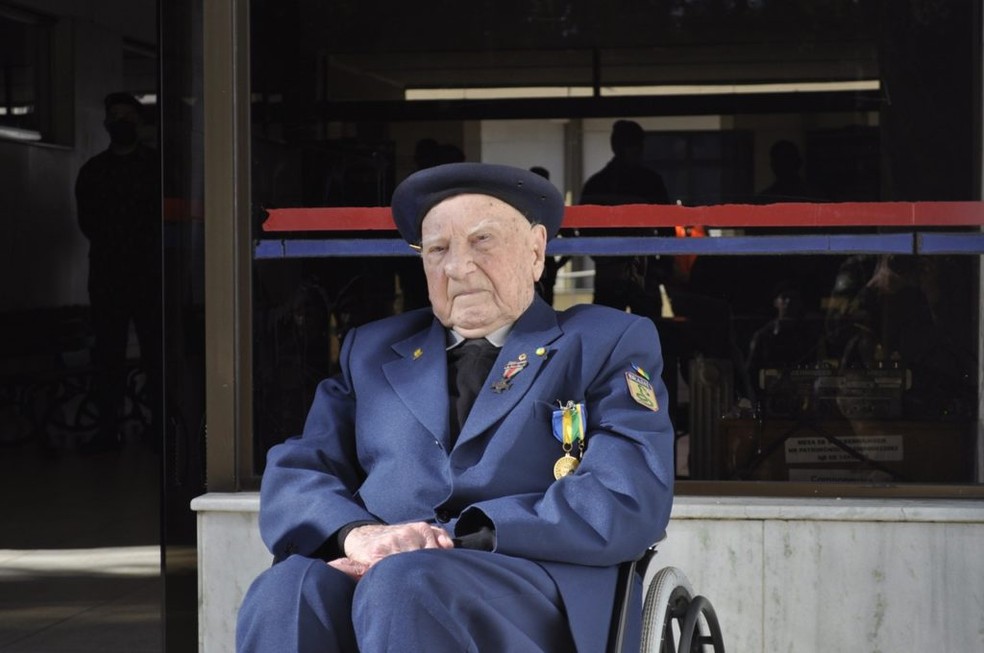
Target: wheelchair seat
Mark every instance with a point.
(669, 611)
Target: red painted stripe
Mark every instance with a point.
(845, 214)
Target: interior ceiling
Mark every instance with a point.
(730, 64)
(495, 43)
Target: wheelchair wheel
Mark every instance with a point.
(667, 599)
(700, 627)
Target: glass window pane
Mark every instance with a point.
(21, 72)
(738, 103)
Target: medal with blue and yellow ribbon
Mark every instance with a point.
(568, 427)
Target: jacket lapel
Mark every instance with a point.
(528, 343)
(422, 370)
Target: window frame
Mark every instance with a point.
(229, 255)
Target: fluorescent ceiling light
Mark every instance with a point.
(111, 561)
(741, 89)
(19, 134)
(517, 92)
(21, 110)
(498, 93)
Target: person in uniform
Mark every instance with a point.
(475, 474)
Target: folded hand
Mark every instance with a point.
(367, 545)
(349, 567)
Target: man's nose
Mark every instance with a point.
(458, 262)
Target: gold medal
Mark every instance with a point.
(565, 465)
(569, 424)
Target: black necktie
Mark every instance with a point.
(468, 367)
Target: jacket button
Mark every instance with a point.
(443, 516)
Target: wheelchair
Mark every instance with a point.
(673, 619)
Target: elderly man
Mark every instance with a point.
(477, 471)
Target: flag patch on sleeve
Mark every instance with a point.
(641, 390)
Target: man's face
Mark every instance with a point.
(482, 259)
(122, 123)
(122, 111)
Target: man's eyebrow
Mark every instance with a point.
(484, 225)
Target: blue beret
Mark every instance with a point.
(527, 192)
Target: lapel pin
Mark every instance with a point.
(417, 353)
(512, 369)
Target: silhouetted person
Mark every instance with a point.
(625, 179)
(787, 340)
(449, 153)
(628, 281)
(756, 275)
(426, 154)
(789, 184)
(118, 198)
(551, 264)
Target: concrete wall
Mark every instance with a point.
(793, 575)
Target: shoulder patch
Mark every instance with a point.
(641, 390)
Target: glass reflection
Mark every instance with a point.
(763, 352)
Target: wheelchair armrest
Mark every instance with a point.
(623, 595)
(642, 564)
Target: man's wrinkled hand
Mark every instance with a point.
(369, 544)
(349, 567)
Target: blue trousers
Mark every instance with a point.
(432, 600)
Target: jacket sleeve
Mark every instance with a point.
(310, 482)
(618, 501)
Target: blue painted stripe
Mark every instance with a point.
(951, 243)
(897, 243)
(900, 243)
(321, 247)
(268, 248)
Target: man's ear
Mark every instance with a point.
(538, 237)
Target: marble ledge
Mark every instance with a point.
(227, 502)
(736, 508)
(829, 509)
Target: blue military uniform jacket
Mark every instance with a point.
(376, 446)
